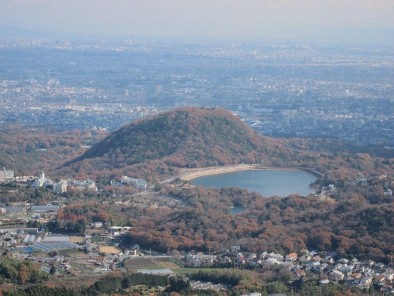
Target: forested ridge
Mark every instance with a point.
(188, 136)
(184, 137)
(347, 225)
(159, 146)
(30, 150)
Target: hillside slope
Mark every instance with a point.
(184, 137)
(27, 150)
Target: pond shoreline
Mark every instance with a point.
(201, 172)
(268, 181)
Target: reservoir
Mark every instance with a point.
(266, 182)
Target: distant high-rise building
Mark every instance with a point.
(287, 120)
(314, 122)
(158, 89)
(132, 41)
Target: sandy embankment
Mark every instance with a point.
(191, 174)
(195, 173)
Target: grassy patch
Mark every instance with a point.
(67, 252)
(136, 263)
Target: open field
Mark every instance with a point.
(109, 250)
(137, 263)
(77, 239)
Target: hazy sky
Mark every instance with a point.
(200, 18)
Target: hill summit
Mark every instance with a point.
(183, 137)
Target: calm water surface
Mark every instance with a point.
(265, 182)
(237, 210)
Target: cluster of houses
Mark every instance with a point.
(321, 265)
(382, 179)
(325, 267)
(9, 176)
(67, 185)
(10, 236)
(100, 258)
(327, 191)
(44, 248)
(64, 185)
(22, 213)
(140, 184)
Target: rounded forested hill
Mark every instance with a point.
(184, 137)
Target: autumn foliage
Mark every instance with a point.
(269, 224)
(184, 137)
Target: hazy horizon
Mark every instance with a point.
(251, 19)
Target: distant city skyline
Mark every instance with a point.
(201, 19)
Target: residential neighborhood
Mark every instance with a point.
(324, 266)
(98, 252)
(99, 249)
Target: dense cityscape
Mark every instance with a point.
(291, 90)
